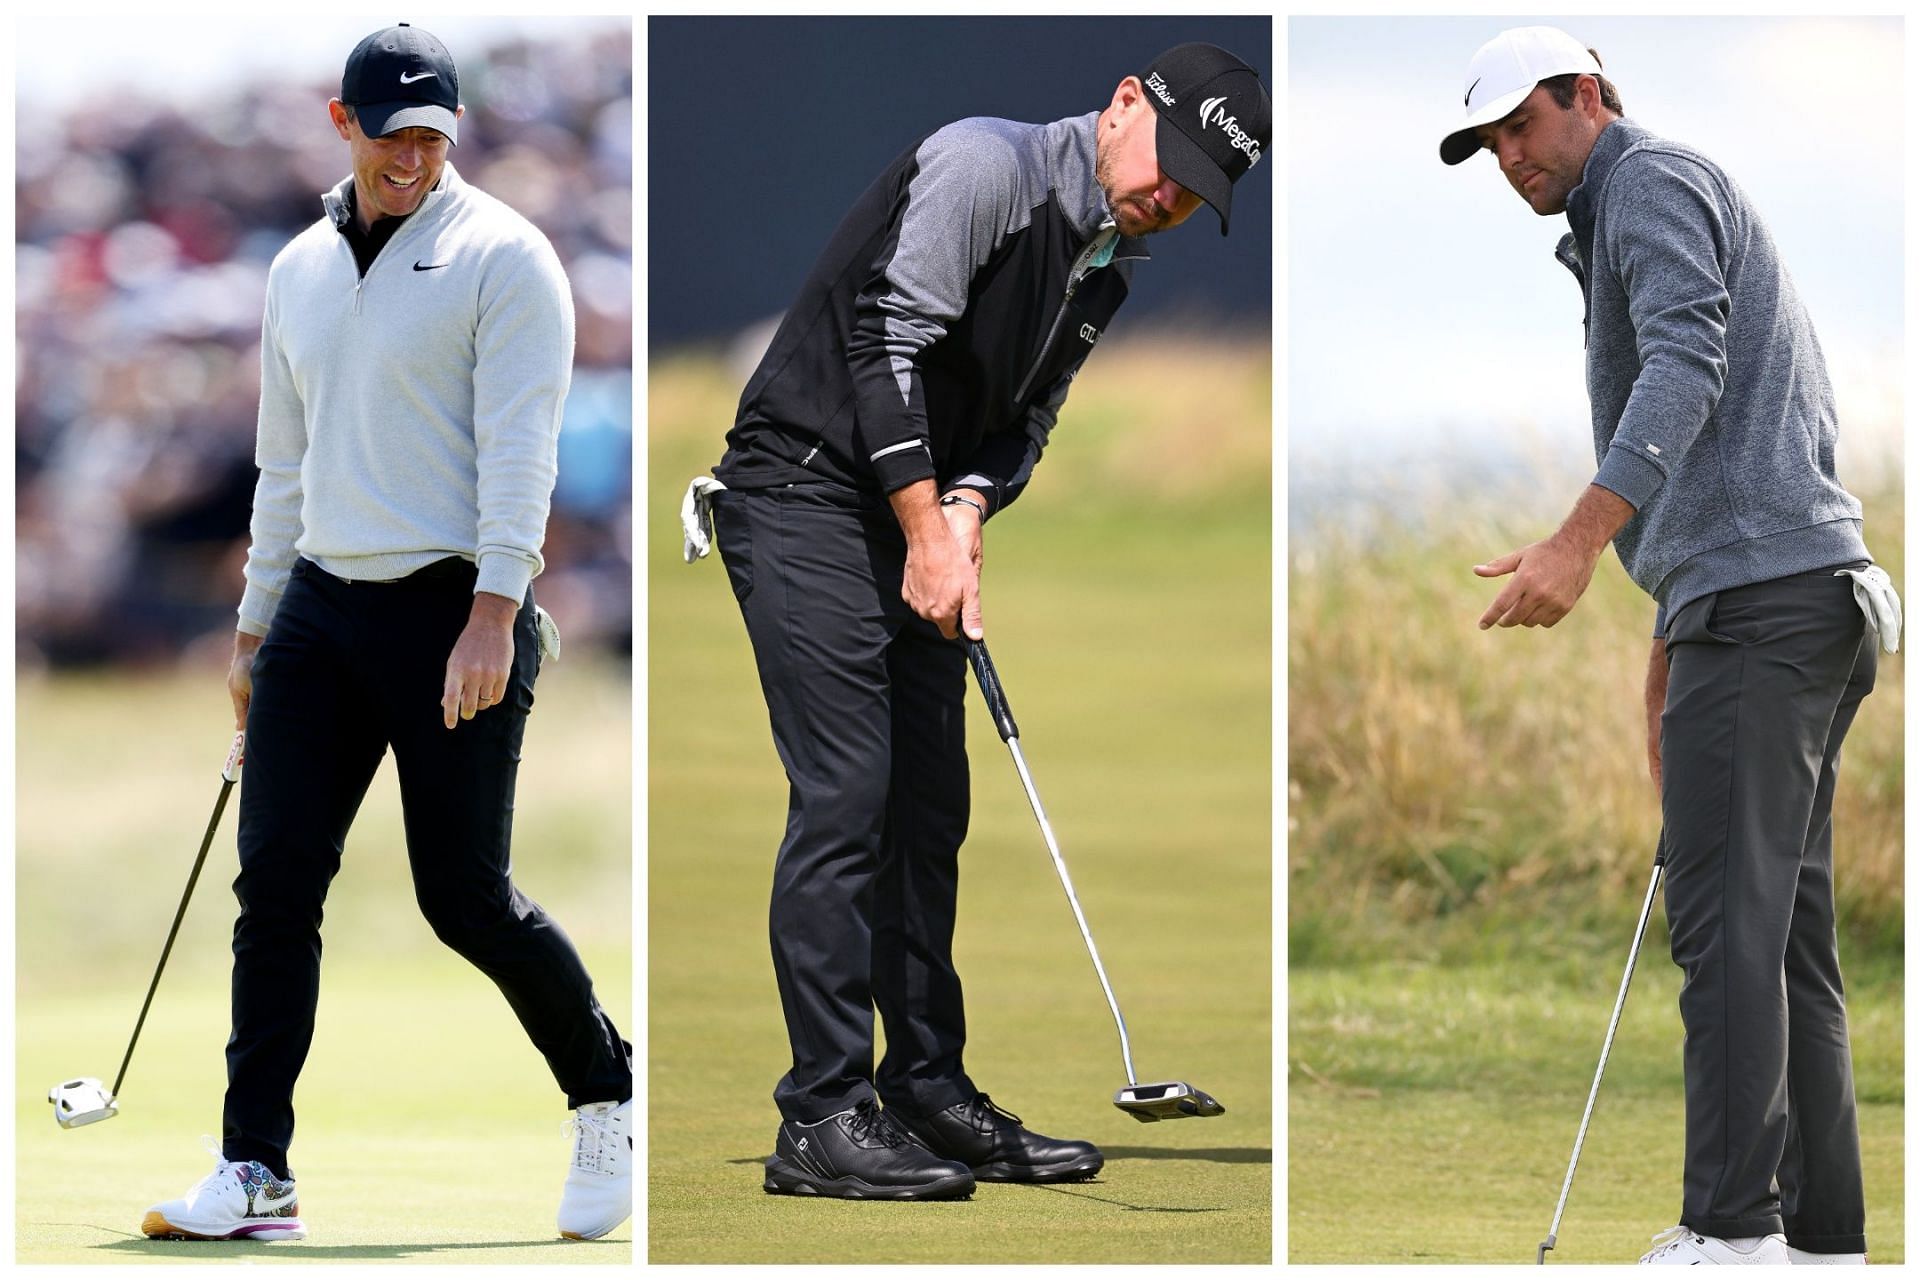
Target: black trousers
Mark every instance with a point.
(866, 701)
(1763, 685)
(346, 670)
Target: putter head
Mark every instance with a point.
(82, 1101)
(1165, 1100)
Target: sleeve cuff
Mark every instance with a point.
(1631, 476)
(986, 486)
(503, 574)
(257, 607)
(898, 466)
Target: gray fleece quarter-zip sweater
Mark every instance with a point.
(414, 413)
(1712, 412)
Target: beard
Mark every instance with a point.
(1134, 215)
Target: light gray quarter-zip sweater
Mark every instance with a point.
(413, 414)
(1712, 412)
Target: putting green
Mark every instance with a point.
(429, 1128)
(1431, 1111)
(1129, 611)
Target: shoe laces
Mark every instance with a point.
(220, 1162)
(870, 1121)
(223, 1168)
(1668, 1240)
(981, 1112)
(594, 1140)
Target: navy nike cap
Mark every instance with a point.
(402, 78)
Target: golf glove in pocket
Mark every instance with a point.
(549, 634)
(1873, 592)
(696, 518)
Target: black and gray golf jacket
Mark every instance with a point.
(938, 332)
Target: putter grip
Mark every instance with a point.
(990, 690)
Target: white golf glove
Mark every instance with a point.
(696, 518)
(548, 632)
(1873, 592)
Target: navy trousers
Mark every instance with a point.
(347, 670)
(1763, 685)
(866, 701)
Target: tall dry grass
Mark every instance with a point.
(1495, 783)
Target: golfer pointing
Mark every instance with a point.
(415, 357)
(904, 402)
(1714, 431)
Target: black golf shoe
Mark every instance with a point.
(861, 1154)
(997, 1148)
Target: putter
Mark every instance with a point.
(1606, 1047)
(1161, 1100)
(85, 1100)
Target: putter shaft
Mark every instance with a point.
(229, 772)
(1606, 1048)
(1066, 882)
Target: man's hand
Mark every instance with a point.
(966, 524)
(1656, 704)
(1551, 575)
(941, 582)
(240, 675)
(478, 666)
(1549, 578)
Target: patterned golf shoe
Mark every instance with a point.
(239, 1200)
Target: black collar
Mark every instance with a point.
(366, 245)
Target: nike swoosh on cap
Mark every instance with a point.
(408, 77)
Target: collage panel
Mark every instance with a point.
(1595, 936)
(323, 456)
(890, 250)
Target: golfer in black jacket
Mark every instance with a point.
(904, 402)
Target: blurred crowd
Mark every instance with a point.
(144, 234)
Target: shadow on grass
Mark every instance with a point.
(133, 1246)
(1061, 1189)
(1218, 1155)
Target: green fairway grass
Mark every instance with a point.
(1128, 606)
(429, 1127)
(1471, 829)
(1432, 1109)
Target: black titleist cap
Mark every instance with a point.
(402, 78)
(1215, 120)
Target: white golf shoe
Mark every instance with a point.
(238, 1201)
(1801, 1258)
(599, 1193)
(1684, 1247)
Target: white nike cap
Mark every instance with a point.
(1505, 71)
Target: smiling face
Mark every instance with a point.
(391, 174)
(1127, 166)
(1542, 147)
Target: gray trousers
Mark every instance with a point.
(1763, 684)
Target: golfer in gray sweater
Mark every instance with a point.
(1714, 432)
